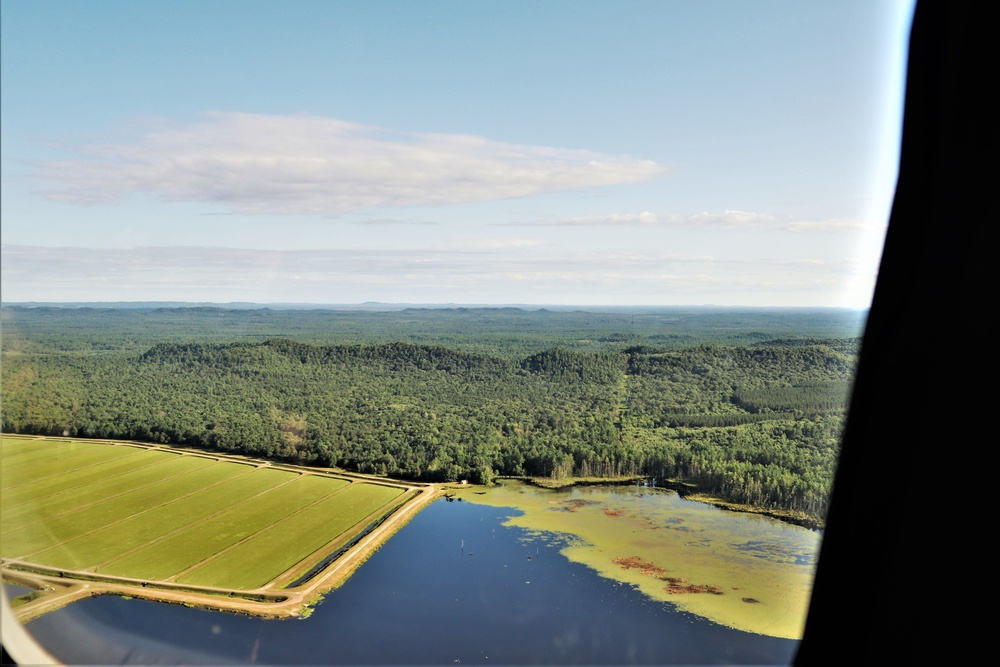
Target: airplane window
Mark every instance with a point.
(924, 262)
(570, 207)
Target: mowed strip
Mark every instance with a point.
(16, 450)
(48, 466)
(159, 515)
(190, 546)
(38, 477)
(45, 458)
(260, 559)
(234, 501)
(156, 510)
(37, 537)
(152, 468)
(16, 446)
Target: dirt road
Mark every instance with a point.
(271, 601)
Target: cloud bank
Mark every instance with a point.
(520, 273)
(263, 164)
(730, 219)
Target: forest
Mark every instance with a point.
(746, 405)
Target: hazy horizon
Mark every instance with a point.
(381, 305)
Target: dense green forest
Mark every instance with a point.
(747, 405)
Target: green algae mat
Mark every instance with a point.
(744, 571)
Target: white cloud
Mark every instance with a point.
(390, 222)
(490, 244)
(260, 164)
(833, 226)
(729, 219)
(732, 219)
(610, 220)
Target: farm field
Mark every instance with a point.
(117, 512)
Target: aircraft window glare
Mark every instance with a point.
(21, 647)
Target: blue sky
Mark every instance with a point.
(584, 153)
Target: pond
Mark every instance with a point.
(458, 584)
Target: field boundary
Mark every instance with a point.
(60, 586)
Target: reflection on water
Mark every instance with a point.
(453, 586)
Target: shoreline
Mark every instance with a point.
(752, 576)
(686, 490)
(56, 588)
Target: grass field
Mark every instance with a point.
(264, 556)
(161, 515)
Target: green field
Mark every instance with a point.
(113, 509)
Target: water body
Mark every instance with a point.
(13, 590)
(454, 586)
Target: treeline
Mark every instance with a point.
(777, 464)
(806, 398)
(435, 414)
(756, 424)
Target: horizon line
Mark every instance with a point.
(297, 305)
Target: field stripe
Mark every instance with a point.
(57, 461)
(118, 509)
(243, 523)
(79, 475)
(160, 466)
(82, 480)
(37, 540)
(267, 555)
(154, 561)
(15, 449)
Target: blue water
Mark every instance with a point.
(454, 586)
(13, 590)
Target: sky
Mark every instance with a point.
(579, 152)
